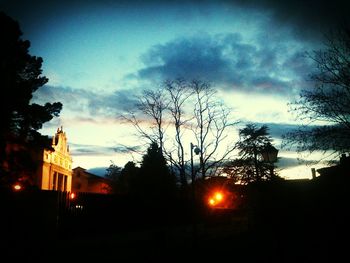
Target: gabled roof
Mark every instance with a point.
(88, 174)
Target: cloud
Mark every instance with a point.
(116, 102)
(232, 63)
(182, 57)
(276, 130)
(89, 150)
(287, 162)
(95, 150)
(308, 20)
(81, 100)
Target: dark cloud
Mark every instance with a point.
(290, 162)
(95, 150)
(73, 99)
(307, 19)
(114, 103)
(81, 100)
(89, 150)
(126, 149)
(277, 130)
(189, 58)
(300, 64)
(287, 162)
(230, 62)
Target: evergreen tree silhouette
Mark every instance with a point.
(20, 77)
(155, 177)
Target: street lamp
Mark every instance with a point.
(196, 150)
(269, 154)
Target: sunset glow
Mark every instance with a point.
(100, 55)
(157, 131)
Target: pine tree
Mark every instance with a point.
(155, 177)
(20, 77)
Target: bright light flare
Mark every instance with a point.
(216, 198)
(211, 201)
(17, 187)
(72, 195)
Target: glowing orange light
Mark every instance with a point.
(211, 201)
(17, 187)
(218, 196)
(72, 195)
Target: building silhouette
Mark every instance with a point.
(84, 181)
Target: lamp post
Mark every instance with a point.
(196, 150)
(269, 154)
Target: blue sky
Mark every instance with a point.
(99, 54)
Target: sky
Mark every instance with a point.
(98, 55)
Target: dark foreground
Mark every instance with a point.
(305, 222)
